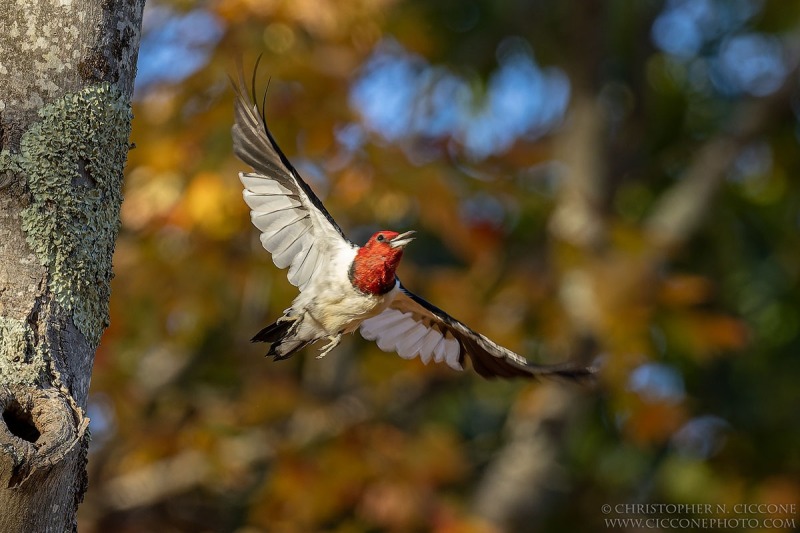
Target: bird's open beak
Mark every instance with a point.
(402, 240)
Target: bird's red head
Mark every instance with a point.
(373, 269)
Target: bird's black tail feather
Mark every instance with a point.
(280, 334)
(273, 333)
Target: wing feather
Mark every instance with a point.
(432, 339)
(310, 268)
(298, 269)
(295, 227)
(413, 327)
(256, 186)
(408, 346)
(440, 351)
(276, 220)
(387, 319)
(268, 203)
(285, 244)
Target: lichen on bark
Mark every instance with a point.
(20, 362)
(71, 159)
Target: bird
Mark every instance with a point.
(344, 287)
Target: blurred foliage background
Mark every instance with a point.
(602, 180)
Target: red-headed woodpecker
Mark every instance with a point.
(345, 287)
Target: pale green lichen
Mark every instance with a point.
(9, 162)
(19, 362)
(9, 167)
(14, 339)
(72, 159)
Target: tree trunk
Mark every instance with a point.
(66, 77)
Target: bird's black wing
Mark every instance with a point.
(295, 227)
(413, 327)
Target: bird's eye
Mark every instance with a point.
(380, 238)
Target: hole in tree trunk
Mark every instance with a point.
(20, 422)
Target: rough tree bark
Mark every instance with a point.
(66, 76)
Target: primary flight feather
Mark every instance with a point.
(343, 286)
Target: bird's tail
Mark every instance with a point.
(272, 333)
(281, 334)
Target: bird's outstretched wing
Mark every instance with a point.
(413, 327)
(295, 227)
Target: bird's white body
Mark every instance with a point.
(331, 302)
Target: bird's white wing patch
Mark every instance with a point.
(304, 265)
(413, 327)
(259, 189)
(292, 229)
(411, 335)
(295, 227)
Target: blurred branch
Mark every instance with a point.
(158, 481)
(246, 451)
(525, 474)
(577, 218)
(681, 209)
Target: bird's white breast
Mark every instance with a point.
(333, 302)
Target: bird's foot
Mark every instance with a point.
(333, 342)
